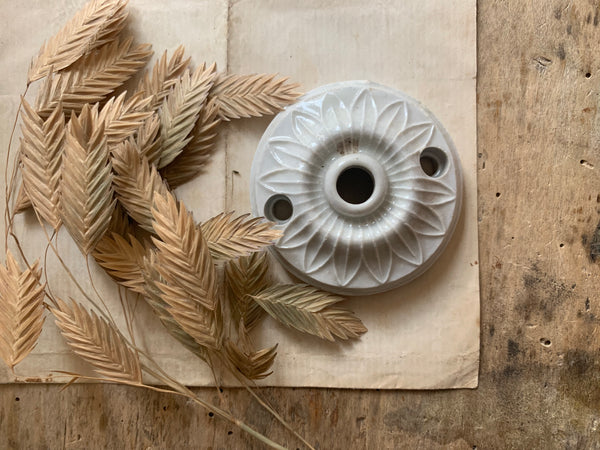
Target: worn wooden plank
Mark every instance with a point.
(539, 207)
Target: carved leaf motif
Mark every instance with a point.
(336, 116)
(328, 239)
(364, 113)
(290, 154)
(345, 264)
(411, 140)
(306, 128)
(391, 120)
(282, 181)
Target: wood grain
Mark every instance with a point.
(539, 209)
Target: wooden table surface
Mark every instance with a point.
(539, 233)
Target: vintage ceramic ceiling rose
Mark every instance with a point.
(365, 183)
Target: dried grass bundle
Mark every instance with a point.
(135, 148)
(21, 310)
(154, 298)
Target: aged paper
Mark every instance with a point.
(424, 335)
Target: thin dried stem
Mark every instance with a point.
(9, 185)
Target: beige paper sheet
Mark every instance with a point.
(421, 336)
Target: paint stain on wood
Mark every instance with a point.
(580, 377)
(543, 295)
(594, 250)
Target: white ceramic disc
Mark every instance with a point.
(365, 183)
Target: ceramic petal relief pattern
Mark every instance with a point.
(408, 212)
(406, 227)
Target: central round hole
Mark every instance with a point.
(355, 185)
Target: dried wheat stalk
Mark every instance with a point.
(230, 237)
(244, 277)
(93, 78)
(254, 365)
(169, 123)
(21, 310)
(98, 342)
(189, 279)
(136, 183)
(252, 95)
(154, 298)
(310, 310)
(146, 139)
(41, 154)
(96, 24)
(181, 110)
(164, 76)
(120, 223)
(86, 185)
(123, 117)
(22, 202)
(195, 155)
(123, 259)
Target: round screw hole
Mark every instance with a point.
(545, 342)
(433, 161)
(588, 75)
(355, 185)
(278, 208)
